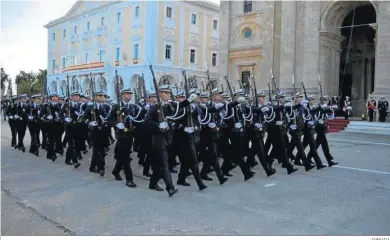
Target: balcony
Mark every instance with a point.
(87, 66)
(87, 35)
(100, 31)
(74, 38)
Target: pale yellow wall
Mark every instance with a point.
(127, 23)
(176, 61)
(160, 47)
(208, 40)
(186, 49)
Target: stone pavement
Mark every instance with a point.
(40, 197)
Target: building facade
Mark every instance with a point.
(343, 42)
(96, 39)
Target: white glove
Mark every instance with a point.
(287, 104)
(265, 109)
(147, 107)
(90, 104)
(93, 124)
(335, 106)
(293, 127)
(50, 117)
(349, 108)
(120, 126)
(321, 121)
(258, 125)
(212, 125)
(169, 101)
(38, 112)
(305, 105)
(324, 106)
(30, 117)
(241, 100)
(311, 123)
(68, 120)
(16, 117)
(189, 130)
(192, 97)
(11, 117)
(303, 102)
(218, 105)
(163, 126)
(279, 123)
(238, 125)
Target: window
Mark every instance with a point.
(118, 17)
(136, 14)
(193, 18)
(88, 26)
(54, 36)
(118, 54)
(169, 12)
(72, 60)
(192, 56)
(86, 58)
(214, 60)
(102, 21)
(75, 29)
(245, 77)
(136, 51)
(247, 6)
(53, 65)
(101, 55)
(168, 52)
(215, 24)
(64, 33)
(63, 62)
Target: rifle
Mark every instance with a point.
(117, 91)
(255, 89)
(304, 89)
(274, 83)
(92, 85)
(188, 108)
(293, 83)
(143, 87)
(319, 82)
(68, 93)
(160, 110)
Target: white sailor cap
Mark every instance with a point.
(297, 95)
(225, 95)
(151, 94)
(180, 94)
(164, 88)
(239, 92)
(126, 90)
(204, 95)
(36, 96)
(75, 93)
(260, 94)
(216, 91)
(311, 97)
(326, 97)
(54, 94)
(22, 96)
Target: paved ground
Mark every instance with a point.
(40, 197)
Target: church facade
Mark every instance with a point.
(342, 43)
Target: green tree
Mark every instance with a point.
(4, 79)
(31, 82)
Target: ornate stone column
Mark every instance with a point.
(287, 44)
(330, 62)
(382, 56)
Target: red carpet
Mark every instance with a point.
(337, 125)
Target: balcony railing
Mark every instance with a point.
(100, 31)
(87, 66)
(87, 35)
(74, 38)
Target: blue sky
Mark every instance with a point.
(23, 39)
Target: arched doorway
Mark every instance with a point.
(138, 85)
(101, 84)
(75, 84)
(118, 80)
(87, 86)
(53, 87)
(63, 88)
(165, 80)
(347, 50)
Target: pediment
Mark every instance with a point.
(84, 6)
